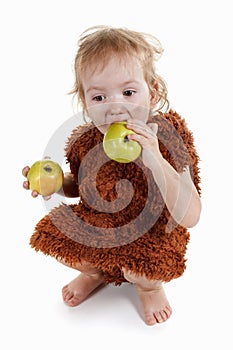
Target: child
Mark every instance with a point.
(130, 223)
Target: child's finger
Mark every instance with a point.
(140, 128)
(26, 185)
(34, 194)
(25, 170)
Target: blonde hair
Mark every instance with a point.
(97, 44)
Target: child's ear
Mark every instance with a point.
(154, 96)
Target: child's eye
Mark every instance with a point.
(99, 98)
(129, 92)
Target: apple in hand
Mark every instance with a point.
(117, 146)
(45, 177)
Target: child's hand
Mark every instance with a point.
(146, 135)
(26, 184)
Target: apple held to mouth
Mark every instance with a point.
(45, 177)
(117, 146)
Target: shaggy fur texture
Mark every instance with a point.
(120, 219)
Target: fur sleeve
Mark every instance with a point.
(80, 142)
(176, 143)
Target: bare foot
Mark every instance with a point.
(156, 308)
(155, 305)
(80, 288)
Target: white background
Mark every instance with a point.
(38, 44)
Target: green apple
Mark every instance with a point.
(117, 146)
(45, 177)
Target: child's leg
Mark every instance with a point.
(154, 302)
(78, 290)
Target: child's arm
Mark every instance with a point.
(177, 189)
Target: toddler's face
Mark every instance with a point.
(116, 92)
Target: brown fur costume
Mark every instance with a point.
(123, 223)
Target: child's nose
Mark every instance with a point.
(116, 109)
(116, 105)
